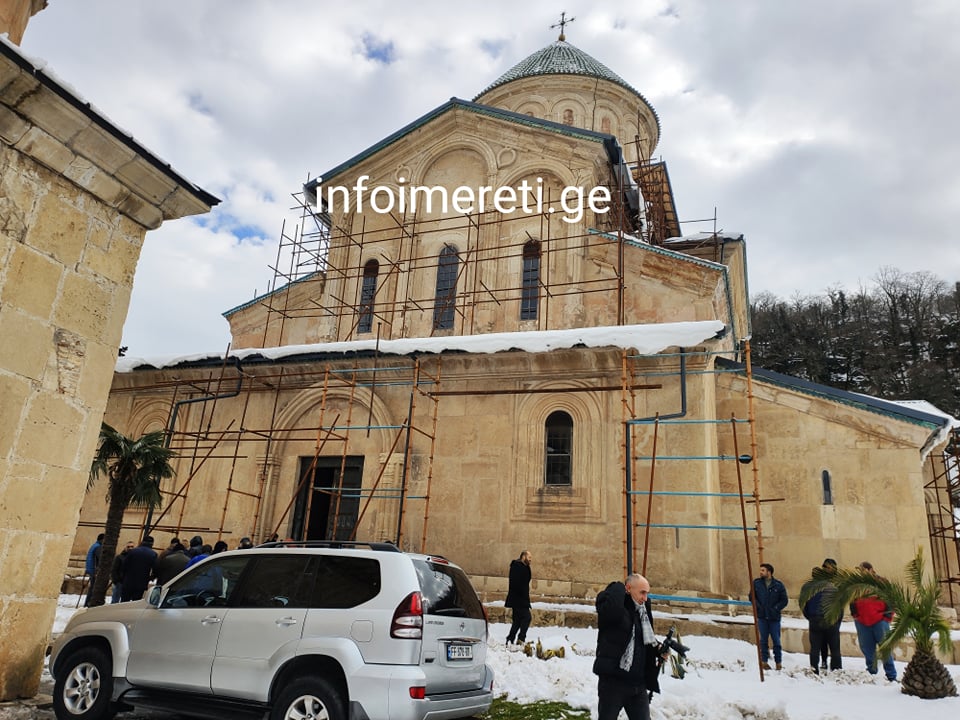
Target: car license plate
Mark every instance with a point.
(459, 652)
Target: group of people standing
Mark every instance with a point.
(628, 656)
(871, 617)
(136, 565)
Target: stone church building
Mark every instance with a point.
(490, 334)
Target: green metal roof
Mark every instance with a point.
(562, 58)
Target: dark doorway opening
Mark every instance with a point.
(328, 504)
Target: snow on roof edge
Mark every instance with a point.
(644, 339)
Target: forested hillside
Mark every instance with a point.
(896, 339)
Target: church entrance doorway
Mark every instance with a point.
(329, 502)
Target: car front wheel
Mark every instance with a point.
(308, 699)
(83, 686)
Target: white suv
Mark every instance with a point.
(333, 631)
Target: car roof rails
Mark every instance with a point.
(334, 544)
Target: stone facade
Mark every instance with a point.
(75, 203)
(360, 425)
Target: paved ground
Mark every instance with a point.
(40, 707)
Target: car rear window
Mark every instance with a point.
(446, 590)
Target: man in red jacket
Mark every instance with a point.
(872, 618)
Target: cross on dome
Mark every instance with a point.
(562, 24)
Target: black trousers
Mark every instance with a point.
(614, 694)
(820, 640)
(518, 628)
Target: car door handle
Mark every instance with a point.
(287, 621)
(210, 620)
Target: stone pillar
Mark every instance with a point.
(76, 199)
(15, 14)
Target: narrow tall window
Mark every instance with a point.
(368, 291)
(605, 125)
(827, 489)
(568, 117)
(530, 294)
(446, 295)
(559, 448)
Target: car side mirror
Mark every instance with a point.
(154, 597)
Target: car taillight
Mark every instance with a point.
(486, 621)
(407, 620)
(418, 692)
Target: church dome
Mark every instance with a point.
(560, 58)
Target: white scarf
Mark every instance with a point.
(646, 627)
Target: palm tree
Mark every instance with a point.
(917, 615)
(134, 469)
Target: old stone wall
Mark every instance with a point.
(75, 203)
(66, 268)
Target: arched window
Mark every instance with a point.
(558, 461)
(530, 293)
(827, 489)
(368, 291)
(446, 295)
(568, 117)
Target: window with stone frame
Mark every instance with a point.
(558, 453)
(530, 288)
(368, 291)
(445, 297)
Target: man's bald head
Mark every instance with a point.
(638, 587)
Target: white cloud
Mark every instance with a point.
(824, 132)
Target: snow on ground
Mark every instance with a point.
(722, 680)
(722, 683)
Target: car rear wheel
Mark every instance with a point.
(308, 699)
(84, 685)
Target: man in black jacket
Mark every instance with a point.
(627, 650)
(518, 597)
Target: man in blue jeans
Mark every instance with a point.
(872, 618)
(770, 598)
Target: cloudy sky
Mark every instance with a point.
(822, 131)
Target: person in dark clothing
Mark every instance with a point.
(823, 634)
(138, 568)
(220, 546)
(116, 573)
(205, 552)
(93, 562)
(196, 546)
(627, 651)
(518, 598)
(173, 561)
(769, 596)
(245, 544)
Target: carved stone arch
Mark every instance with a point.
(539, 167)
(312, 399)
(446, 147)
(537, 109)
(434, 244)
(280, 470)
(150, 415)
(531, 498)
(582, 407)
(572, 105)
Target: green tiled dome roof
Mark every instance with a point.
(560, 58)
